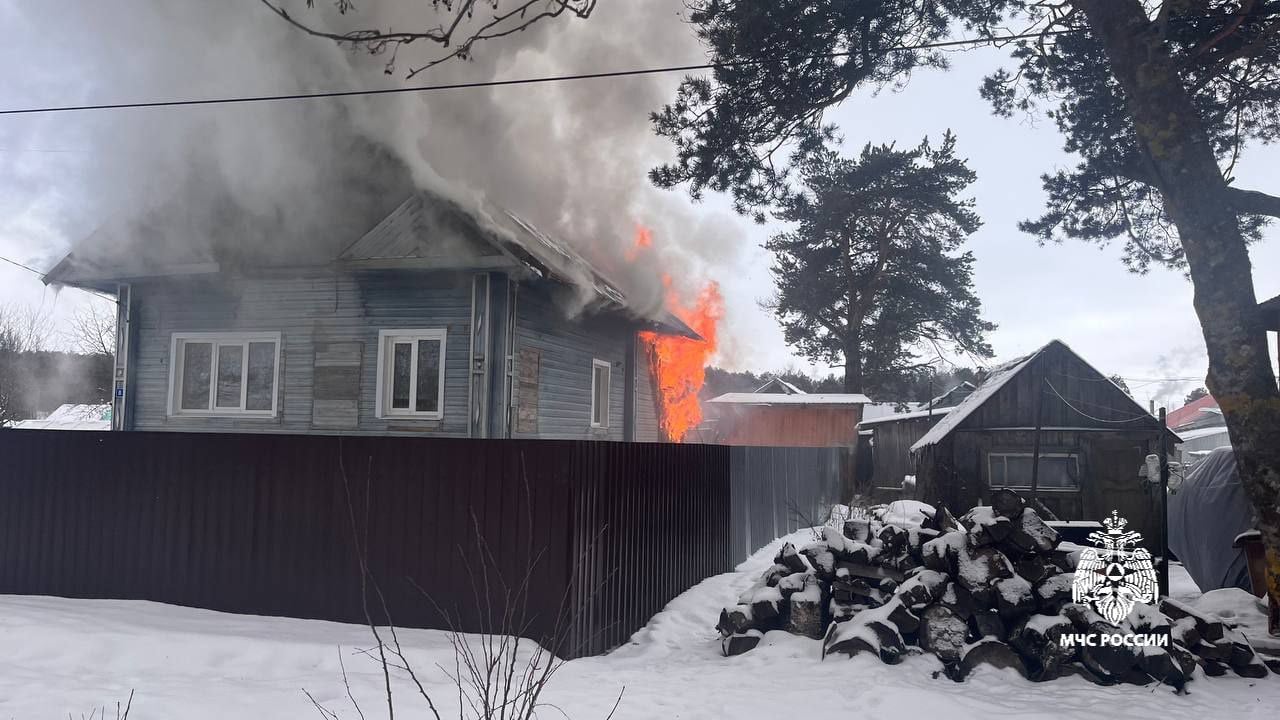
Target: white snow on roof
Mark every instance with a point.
(906, 416)
(996, 379)
(877, 410)
(938, 400)
(71, 417)
(1202, 432)
(741, 398)
(787, 387)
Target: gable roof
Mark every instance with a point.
(782, 386)
(409, 237)
(1000, 376)
(963, 385)
(1191, 412)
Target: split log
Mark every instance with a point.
(766, 608)
(790, 559)
(1161, 665)
(958, 600)
(807, 605)
(1210, 627)
(988, 624)
(1014, 599)
(943, 633)
(988, 652)
(822, 560)
(864, 570)
(923, 588)
(1038, 640)
(740, 642)
(1007, 503)
(734, 620)
(1053, 593)
(859, 636)
(1031, 534)
(1033, 569)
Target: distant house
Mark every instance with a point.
(433, 322)
(71, 417)
(788, 419)
(1201, 427)
(1051, 410)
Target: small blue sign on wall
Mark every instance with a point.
(119, 392)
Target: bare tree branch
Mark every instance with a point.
(516, 18)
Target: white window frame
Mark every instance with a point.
(991, 473)
(608, 395)
(386, 341)
(216, 339)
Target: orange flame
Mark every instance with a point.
(643, 241)
(679, 363)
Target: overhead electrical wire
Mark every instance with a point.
(1136, 418)
(635, 72)
(30, 269)
(230, 100)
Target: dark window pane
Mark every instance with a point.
(262, 376)
(600, 403)
(428, 399)
(1018, 473)
(402, 356)
(197, 361)
(998, 478)
(1058, 473)
(230, 359)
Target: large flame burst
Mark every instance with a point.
(679, 363)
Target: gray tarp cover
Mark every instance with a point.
(1205, 516)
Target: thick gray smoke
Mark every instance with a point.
(311, 176)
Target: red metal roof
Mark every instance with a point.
(1189, 412)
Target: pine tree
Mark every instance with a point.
(871, 276)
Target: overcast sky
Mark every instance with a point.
(57, 171)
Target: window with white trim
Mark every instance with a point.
(1058, 471)
(600, 371)
(411, 374)
(213, 374)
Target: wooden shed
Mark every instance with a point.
(789, 419)
(889, 448)
(1052, 427)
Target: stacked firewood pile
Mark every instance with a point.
(992, 588)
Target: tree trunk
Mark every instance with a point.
(850, 489)
(1195, 195)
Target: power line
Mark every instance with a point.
(994, 40)
(30, 269)
(1136, 418)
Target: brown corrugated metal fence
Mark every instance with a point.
(607, 533)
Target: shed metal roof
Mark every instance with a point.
(995, 381)
(800, 399)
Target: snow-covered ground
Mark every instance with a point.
(72, 656)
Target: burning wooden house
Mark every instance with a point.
(435, 321)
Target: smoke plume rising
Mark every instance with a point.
(311, 176)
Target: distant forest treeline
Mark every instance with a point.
(920, 389)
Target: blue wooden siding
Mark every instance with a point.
(566, 346)
(309, 309)
(646, 407)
